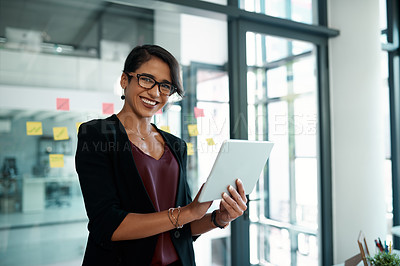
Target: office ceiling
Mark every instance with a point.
(77, 23)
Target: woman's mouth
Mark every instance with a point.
(148, 101)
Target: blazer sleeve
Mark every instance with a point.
(95, 171)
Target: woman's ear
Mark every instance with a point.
(124, 81)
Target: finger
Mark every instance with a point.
(231, 205)
(230, 212)
(221, 207)
(240, 189)
(235, 195)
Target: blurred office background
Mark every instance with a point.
(320, 78)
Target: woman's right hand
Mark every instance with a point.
(199, 209)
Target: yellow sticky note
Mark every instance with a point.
(193, 130)
(34, 128)
(190, 150)
(165, 128)
(60, 133)
(210, 141)
(56, 160)
(78, 124)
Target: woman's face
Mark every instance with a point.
(146, 102)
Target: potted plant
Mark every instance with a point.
(384, 259)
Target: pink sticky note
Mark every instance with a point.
(198, 112)
(108, 108)
(159, 112)
(62, 104)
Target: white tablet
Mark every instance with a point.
(242, 159)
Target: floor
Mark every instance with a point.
(57, 237)
(53, 237)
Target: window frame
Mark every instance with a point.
(392, 48)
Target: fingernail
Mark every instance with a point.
(224, 195)
(230, 187)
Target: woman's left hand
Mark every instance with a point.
(232, 206)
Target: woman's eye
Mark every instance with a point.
(165, 86)
(146, 79)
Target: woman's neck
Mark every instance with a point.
(135, 124)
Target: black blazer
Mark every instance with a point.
(112, 188)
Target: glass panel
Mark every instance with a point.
(215, 126)
(297, 10)
(306, 192)
(305, 126)
(282, 108)
(277, 48)
(212, 85)
(251, 54)
(277, 82)
(299, 47)
(75, 50)
(308, 247)
(279, 245)
(207, 90)
(220, 2)
(304, 79)
(279, 204)
(255, 84)
(254, 242)
(40, 205)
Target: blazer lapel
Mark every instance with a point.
(128, 166)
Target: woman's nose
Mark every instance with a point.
(155, 91)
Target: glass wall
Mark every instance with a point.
(296, 10)
(60, 66)
(282, 108)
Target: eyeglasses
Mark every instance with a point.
(148, 82)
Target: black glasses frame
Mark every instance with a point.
(172, 90)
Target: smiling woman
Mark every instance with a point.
(133, 196)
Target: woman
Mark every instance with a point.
(133, 175)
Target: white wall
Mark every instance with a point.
(24, 68)
(357, 126)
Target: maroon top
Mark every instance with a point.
(160, 178)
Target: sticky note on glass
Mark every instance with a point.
(108, 108)
(165, 128)
(193, 130)
(210, 141)
(60, 133)
(56, 160)
(34, 128)
(198, 112)
(159, 112)
(78, 124)
(62, 104)
(190, 150)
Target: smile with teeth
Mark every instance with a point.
(148, 101)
